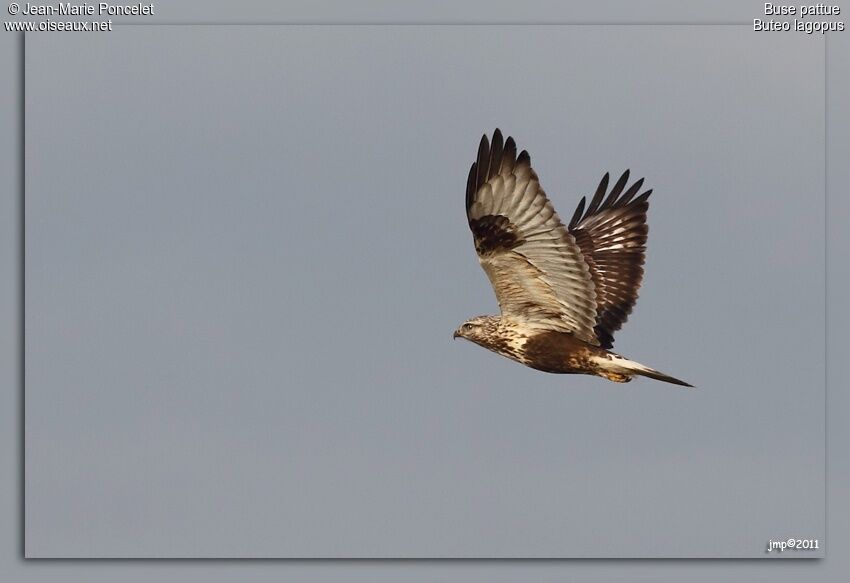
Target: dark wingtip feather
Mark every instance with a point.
(627, 196)
(616, 198)
(644, 197)
(619, 186)
(523, 158)
(597, 196)
(483, 160)
(603, 184)
(579, 211)
(508, 155)
(495, 154)
(470, 185)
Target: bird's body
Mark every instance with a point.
(546, 350)
(563, 290)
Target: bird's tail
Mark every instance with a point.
(619, 365)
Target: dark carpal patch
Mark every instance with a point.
(494, 233)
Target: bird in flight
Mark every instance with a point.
(562, 290)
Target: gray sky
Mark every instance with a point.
(246, 253)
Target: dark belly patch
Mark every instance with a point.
(558, 352)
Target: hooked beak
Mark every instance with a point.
(456, 335)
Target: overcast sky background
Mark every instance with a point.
(246, 254)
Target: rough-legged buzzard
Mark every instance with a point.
(563, 290)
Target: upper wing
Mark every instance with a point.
(534, 265)
(612, 237)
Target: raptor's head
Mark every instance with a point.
(478, 328)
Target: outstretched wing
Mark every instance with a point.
(533, 263)
(612, 237)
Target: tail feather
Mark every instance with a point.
(660, 376)
(618, 364)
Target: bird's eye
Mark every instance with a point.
(467, 326)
